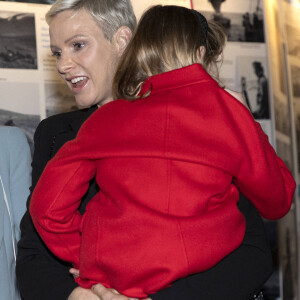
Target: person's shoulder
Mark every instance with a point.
(7, 130)
(54, 122)
(10, 133)
(66, 116)
(13, 140)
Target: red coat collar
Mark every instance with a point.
(175, 78)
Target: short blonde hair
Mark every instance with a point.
(109, 15)
(167, 38)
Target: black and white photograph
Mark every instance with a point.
(17, 41)
(241, 26)
(27, 123)
(19, 106)
(59, 98)
(33, 1)
(293, 41)
(295, 72)
(254, 85)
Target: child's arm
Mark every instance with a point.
(54, 210)
(262, 176)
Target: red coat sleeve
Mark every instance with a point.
(54, 210)
(261, 175)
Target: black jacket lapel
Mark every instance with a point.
(69, 128)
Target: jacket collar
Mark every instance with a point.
(69, 127)
(192, 74)
(74, 123)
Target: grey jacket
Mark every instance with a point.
(15, 178)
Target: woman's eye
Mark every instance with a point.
(56, 54)
(78, 46)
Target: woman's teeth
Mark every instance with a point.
(77, 79)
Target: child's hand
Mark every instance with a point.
(74, 272)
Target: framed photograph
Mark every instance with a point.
(33, 1)
(17, 40)
(252, 73)
(20, 109)
(242, 20)
(59, 98)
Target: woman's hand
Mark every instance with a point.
(80, 293)
(110, 294)
(98, 290)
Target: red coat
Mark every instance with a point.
(167, 167)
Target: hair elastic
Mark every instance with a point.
(202, 20)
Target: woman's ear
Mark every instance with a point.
(121, 38)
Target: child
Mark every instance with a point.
(169, 166)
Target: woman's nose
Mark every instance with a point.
(64, 64)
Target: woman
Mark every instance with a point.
(139, 205)
(78, 30)
(15, 175)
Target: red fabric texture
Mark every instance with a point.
(169, 168)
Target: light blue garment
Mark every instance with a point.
(15, 178)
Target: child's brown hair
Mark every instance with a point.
(167, 38)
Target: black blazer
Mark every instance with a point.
(41, 275)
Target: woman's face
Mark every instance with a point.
(85, 59)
